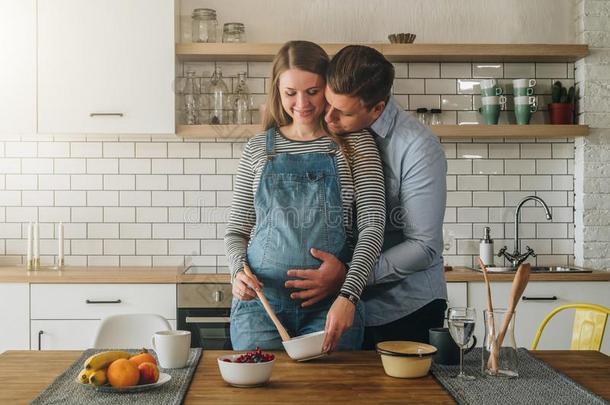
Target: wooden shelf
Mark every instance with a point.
(443, 131)
(397, 52)
(510, 131)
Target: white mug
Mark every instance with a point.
(493, 100)
(172, 347)
(525, 100)
(520, 83)
(488, 83)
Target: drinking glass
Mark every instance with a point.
(461, 327)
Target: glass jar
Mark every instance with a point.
(191, 94)
(218, 99)
(242, 102)
(204, 25)
(422, 115)
(499, 355)
(234, 32)
(436, 116)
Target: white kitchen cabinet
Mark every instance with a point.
(66, 316)
(18, 67)
(457, 294)
(62, 334)
(106, 66)
(530, 313)
(14, 316)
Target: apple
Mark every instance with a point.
(149, 373)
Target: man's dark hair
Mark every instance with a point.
(362, 72)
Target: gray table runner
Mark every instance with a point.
(66, 390)
(538, 383)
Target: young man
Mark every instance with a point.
(406, 293)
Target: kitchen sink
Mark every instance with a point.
(539, 269)
(559, 269)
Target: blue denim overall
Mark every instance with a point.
(298, 206)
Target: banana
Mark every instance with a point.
(83, 376)
(103, 359)
(98, 378)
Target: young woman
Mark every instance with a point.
(295, 190)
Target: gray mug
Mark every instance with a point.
(448, 352)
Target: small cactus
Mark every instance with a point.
(571, 95)
(563, 98)
(560, 94)
(556, 92)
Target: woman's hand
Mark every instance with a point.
(339, 319)
(245, 287)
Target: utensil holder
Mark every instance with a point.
(505, 351)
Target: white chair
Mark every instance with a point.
(131, 331)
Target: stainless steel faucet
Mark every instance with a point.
(516, 258)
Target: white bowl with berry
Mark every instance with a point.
(251, 369)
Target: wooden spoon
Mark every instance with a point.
(519, 284)
(261, 296)
(493, 352)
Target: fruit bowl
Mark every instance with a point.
(163, 379)
(244, 374)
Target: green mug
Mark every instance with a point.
(491, 113)
(491, 91)
(523, 91)
(524, 107)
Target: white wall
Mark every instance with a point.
(451, 21)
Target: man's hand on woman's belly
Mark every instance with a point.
(317, 284)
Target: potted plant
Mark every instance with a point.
(561, 110)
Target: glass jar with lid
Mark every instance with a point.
(436, 116)
(205, 25)
(422, 115)
(234, 32)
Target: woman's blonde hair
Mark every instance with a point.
(302, 55)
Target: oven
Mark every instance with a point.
(204, 310)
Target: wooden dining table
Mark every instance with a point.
(344, 377)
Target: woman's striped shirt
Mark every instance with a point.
(362, 186)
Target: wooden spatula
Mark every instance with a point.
(261, 296)
(519, 284)
(493, 347)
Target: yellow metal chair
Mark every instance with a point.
(588, 328)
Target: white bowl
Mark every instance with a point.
(244, 374)
(305, 347)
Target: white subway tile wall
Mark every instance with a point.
(142, 200)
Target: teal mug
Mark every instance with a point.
(491, 113)
(489, 87)
(524, 108)
(524, 87)
(523, 91)
(491, 91)
(491, 107)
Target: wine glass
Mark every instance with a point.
(461, 327)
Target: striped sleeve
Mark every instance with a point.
(369, 194)
(242, 217)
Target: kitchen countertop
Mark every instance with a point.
(343, 377)
(173, 275)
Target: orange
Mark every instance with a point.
(143, 357)
(123, 373)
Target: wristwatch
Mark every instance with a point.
(351, 297)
